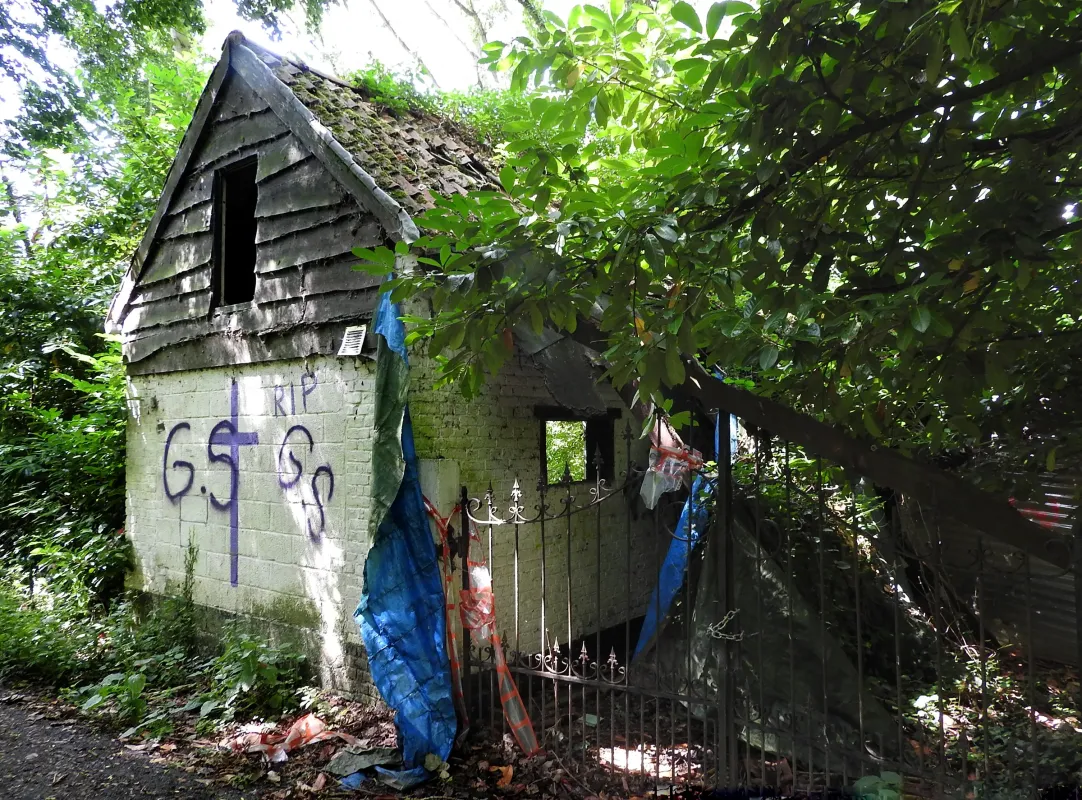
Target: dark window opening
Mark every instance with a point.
(234, 234)
(573, 445)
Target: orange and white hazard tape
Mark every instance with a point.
(478, 613)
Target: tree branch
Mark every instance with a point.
(931, 485)
(471, 12)
(416, 56)
(533, 12)
(801, 163)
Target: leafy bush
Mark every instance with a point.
(63, 474)
(42, 640)
(484, 115)
(253, 677)
(126, 689)
(565, 446)
(886, 786)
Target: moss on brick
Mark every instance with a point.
(293, 611)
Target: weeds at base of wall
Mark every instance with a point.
(142, 667)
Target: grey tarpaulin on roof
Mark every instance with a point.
(1037, 613)
(692, 662)
(569, 373)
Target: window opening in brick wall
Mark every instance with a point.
(234, 233)
(572, 444)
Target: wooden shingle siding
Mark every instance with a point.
(333, 239)
(237, 137)
(337, 276)
(272, 228)
(278, 286)
(279, 155)
(171, 309)
(193, 281)
(307, 225)
(195, 189)
(175, 257)
(195, 220)
(299, 187)
(219, 348)
(238, 100)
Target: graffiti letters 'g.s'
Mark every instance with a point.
(223, 447)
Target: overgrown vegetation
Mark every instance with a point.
(980, 708)
(867, 210)
(489, 116)
(144, 670)
(565, 450)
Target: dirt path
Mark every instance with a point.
(64, 759)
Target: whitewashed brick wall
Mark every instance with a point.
(293, 568)
(293, 565)
(495, 439)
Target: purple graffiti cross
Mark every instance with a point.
(225, 434)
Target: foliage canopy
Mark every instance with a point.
(866, 209)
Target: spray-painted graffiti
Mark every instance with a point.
(308, 382)
(174, 497)
(226, 434)
(289, 476)
(223, 447)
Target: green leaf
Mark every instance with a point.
(684, 13)
(680, 420)
(686, 337)
(674, 366)
(712, 80)
(1050, 460)
(93, 701)
(892, 779)
(958, 40)
(934, 62)
(507, 177)
(768, 357)
(740, 72)
(920, 318)
(871, 424)
(667, 233)
(714, 17)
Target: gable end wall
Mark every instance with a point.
(307, 225)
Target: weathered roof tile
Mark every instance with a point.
(408, 156)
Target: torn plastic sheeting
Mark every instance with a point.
(693, 520)
(670, 462)
(401, 612)
(354, 781)
(276, 747)
(348, 761)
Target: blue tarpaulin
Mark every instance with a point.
(401, 613)
(693, 520)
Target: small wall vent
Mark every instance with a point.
(353, 341)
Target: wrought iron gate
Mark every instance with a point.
(822, 635)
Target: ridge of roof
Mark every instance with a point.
(411, 156)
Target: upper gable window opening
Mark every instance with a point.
(234, 233)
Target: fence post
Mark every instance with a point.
(723, 523)
(1076, 569)
(464, 555)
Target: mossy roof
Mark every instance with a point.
(411, 156)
